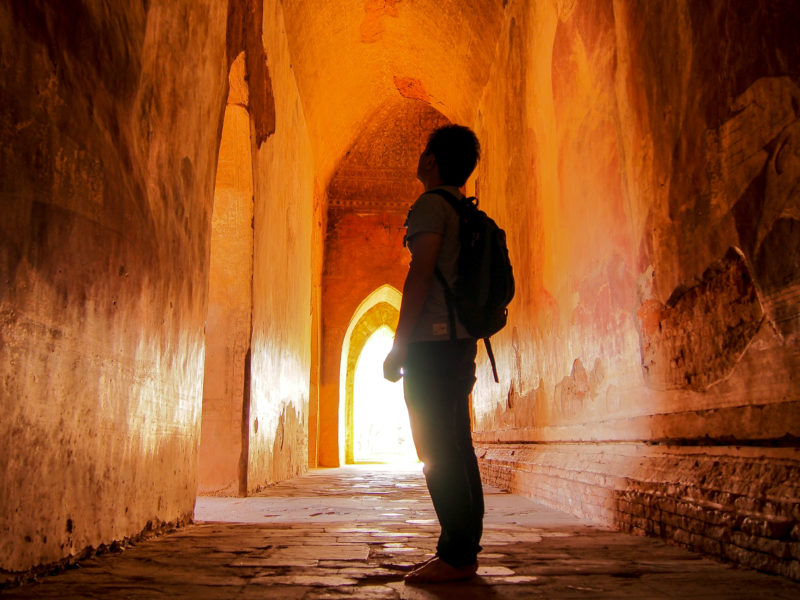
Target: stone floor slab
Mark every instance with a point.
(355, 532)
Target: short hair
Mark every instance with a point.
(457, 150)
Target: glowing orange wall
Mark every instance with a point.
(111, 125)
(286, 266)
(624, 177)
(107, 170)
(628, 147)
(226, 385)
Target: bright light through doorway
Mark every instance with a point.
(381, 432)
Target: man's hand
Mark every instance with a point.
(393, 363)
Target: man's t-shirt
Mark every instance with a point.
(431, 213)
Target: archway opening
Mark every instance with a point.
(370, 408)
(368, 197)
(381, 431)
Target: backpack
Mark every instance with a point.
(485, 283)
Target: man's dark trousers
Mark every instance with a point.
(438, 378)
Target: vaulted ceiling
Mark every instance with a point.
(353, 58)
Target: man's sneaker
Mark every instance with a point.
(438, 571)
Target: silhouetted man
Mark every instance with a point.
(438, 365)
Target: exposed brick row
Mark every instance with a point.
(735, 506)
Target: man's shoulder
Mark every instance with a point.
(444, 191)
(429, 213)
(436, 197)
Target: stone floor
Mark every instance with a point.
(354, 532)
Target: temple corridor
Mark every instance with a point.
(353, 532)
(202, 207)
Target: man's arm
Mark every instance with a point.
(424, 254)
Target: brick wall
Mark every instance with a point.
(735, 503)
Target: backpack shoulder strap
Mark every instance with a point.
(488, 345)
(449, 297)
(448, 300)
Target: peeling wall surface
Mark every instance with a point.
(643, 157)
(634, 152)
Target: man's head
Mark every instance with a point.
(456, 151)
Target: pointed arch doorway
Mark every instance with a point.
(373, 422)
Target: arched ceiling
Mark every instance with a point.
(351, 57)
(379, 170)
